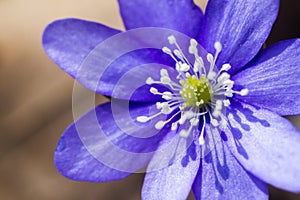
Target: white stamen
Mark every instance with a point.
(183, 67)
(210, 58)
(211, 75)
(172, 39)
(198, 103)
(218, 104)
(174, 126)
(167, 95)
(153, 90)
(193, 50)
(164, 72)
(166, 50)
(193, 42)
(165, 80)
(145, 118)
(166, 108)
(244, 92)
(229, 83)
(194, 121)
(199, 91)
(149, 81)
(201, 138)
(196, 67)
(159, 105)
(159, 125)
(226, 102)
(182, 119)
(218, 47)
(184, 133)
(185, 116)
(142, 119)
(187, 74)
(226, 67)
(223, 77)
(229, 93)
(216, 113)
(223, 122)
(214, 122)
(178, 54)
(193, 47)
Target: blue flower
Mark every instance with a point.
(218, 125)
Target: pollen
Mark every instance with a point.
(196, 92)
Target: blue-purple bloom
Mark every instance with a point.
(244, 90)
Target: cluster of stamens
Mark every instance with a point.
(199, 92)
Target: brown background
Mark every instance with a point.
(36, 100)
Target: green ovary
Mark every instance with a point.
(196, 92)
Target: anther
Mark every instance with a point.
(172, 39)
(193, 42)
(178, 54)
(244, 92)
(211, 75)
(193, 47)
(201, 140)
(194, 121)
(218, 47)
(210, 58)
(187, 74)
(225, 67)
(165, 80)
(159, 105)
(142, 119)
(183, 67)
(167, 95)
(153, 90)
(149, 81)
(159, 125)
(223, 77)
(166, 50)
(164, 72)
(184, 133)
(174, 126)
(226, 102)
(214, 122)
(166, 108)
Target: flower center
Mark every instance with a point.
(199, 93)
(196, 92)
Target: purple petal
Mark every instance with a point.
(68, 41)
(175, 180)
(242, 26)
(272, 78)
(220, 176)
(107, 143)
(99, 58)
(120, 66)
(74, 161)
(126, 77)
(269, 149)
(180, 15)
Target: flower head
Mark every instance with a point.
(203, 108)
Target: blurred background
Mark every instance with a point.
(36, 100)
